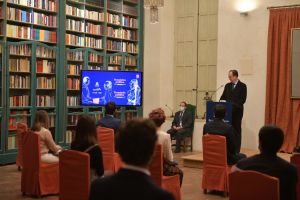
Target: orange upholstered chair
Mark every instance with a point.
(215, 168)
(38, 178)
(295, 159)
(74, 175)
(169, 183)
(250, 185)
(21, 130)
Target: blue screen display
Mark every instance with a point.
(101, 87)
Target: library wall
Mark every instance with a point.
(242, 44)
(158, 59)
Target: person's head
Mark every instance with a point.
(110, 108)
(41, 120)
(182, 105)
(136, 142)
(233, 75)
(220, 111)
(157, 116)
(85, 134)
(270, 139)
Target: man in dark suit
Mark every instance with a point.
(182, 122)
(270, 141)
(219, 127)
(136, 144)
(235, 92)
(109, 121)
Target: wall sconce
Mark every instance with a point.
(245, 6)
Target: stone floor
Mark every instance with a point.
(10, 179)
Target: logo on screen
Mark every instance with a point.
(137, 76)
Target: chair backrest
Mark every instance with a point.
(31, 151)
(214, 150)
(249, 185)
(156, 165)
(74, 175)
(21, 130)
(295, 159)
(106, 141)
(192, 109)
(31, 163)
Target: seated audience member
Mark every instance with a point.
(219, 127)
(267, 162)
(109, 121)
(170, 168)
(183, 122)
(136, 144)
(86, 141)
(41, 127)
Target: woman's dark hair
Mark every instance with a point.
(136, 142)
(271, 139)
(86, 134)
(157, 116)
(110, 108)
(41, 120)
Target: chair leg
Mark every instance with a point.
(205, 191)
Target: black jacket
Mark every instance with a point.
(236, 96)
(277, 167)
(127, 184)
(187, 120)
(219, 127)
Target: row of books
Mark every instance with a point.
(28, 33)
(72, 120)
(17, 101)
(93, 43)
(93, 57)
(117, 60)
(130, 115)
(31, 17)
(20, 82)
(73, 84)
(69, 136)
(45, 82)
(93, 67)
(72, 101)
(45, 101)
(79, 26)
(84, 13)
(122, 46)
(19, 65)
(22, 50)
(11, 142)
(13, 120)
(122, 33)
(129, 22)
(93, 28)
(74, 40)
(113, 19)
(74, 69)
(45, 66)
(74, 25)
(40, 4)
(75, 55)
(44, 52)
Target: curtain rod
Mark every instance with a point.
(288, 6)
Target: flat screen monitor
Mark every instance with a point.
(122, 87)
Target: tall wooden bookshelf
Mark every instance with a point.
(45, 43)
